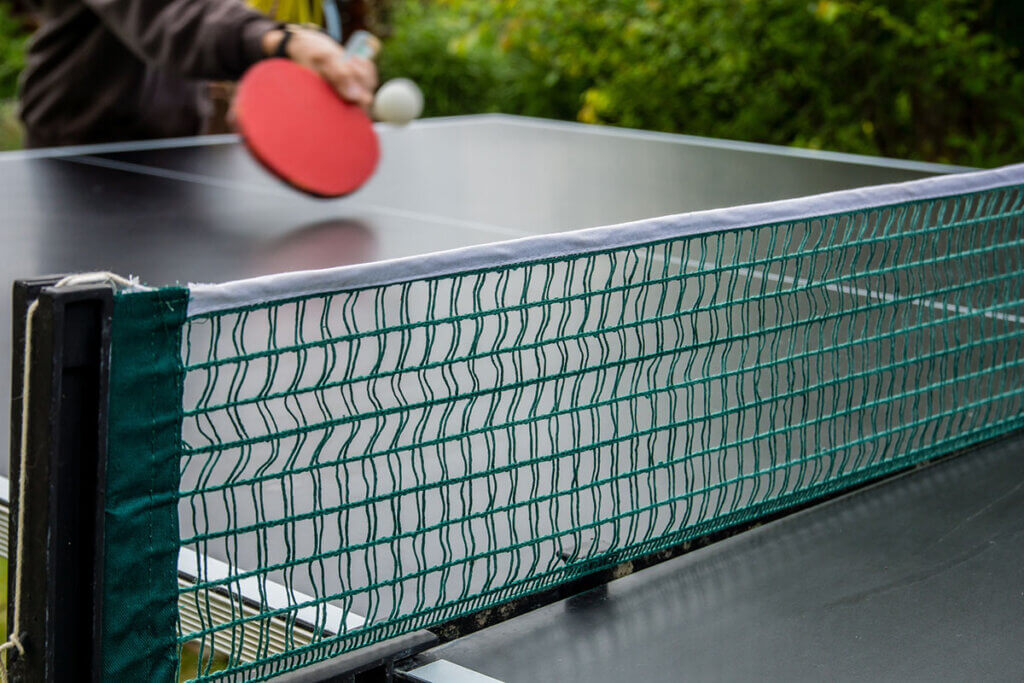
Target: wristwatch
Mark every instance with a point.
(282, 47)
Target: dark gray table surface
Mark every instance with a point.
(920, 578)
(201, 210)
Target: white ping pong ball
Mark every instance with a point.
(398, 101)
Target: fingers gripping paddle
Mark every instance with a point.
(298, 127)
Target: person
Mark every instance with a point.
(109, 70)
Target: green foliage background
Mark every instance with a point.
(13, 37)
(12, 51)
(938, 80)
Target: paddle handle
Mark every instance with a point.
(362, 44)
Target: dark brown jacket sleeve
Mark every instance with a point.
(208, 39)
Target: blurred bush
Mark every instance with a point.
(939, 80)
(13, 36)
(12, 51)
(455, 52)
(936, 80)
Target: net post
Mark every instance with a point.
(60, 615)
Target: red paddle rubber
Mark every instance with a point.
(297, 126)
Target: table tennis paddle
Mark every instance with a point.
(296, 125)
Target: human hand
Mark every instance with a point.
(354, 78)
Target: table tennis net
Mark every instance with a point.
(377, 458)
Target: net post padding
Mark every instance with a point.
(141, 579)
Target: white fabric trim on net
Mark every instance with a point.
(209, 298)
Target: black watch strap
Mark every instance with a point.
(282, 47)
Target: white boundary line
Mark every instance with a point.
(522, 121)
(723, 144)
(117, 147)
(271, 189)
(265, 595)
(165, 143)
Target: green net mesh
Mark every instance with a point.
(379, 460)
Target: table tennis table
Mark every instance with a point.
(918, 576)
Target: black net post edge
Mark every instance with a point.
(62, 587)
(61, 610)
